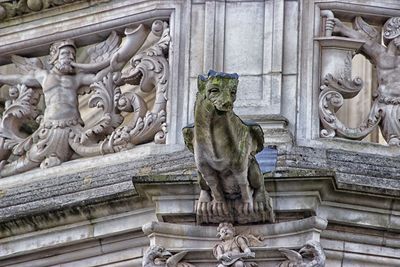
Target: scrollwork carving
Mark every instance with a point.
(331, 99)
(385, 109)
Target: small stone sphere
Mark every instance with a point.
(35, 5)
(3, 13)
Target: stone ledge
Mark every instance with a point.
(75, 233)
(77, 190)
(305, 192)
(361, 172)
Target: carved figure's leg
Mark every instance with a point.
(4, 152)
(238, 263)
(50, 161)
(22, 164)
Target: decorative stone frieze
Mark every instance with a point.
(337, 53)
(251, 245)
(117, 92)
(13, 8)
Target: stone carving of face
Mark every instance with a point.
(226, 233)
(65, 57)
(222, 93)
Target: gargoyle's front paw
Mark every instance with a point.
(204, 203)
(219, 208)
(259, 206)
(246, 207)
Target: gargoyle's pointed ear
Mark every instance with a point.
(201, 83)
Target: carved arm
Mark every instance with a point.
(371, 48)
(29, 80)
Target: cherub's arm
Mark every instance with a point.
(371, 48)
(29, 79)
(243, 245)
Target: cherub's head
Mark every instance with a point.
(62, 54)
(220, 88)
(226, 231)
(391, 32)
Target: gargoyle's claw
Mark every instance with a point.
(256, 207)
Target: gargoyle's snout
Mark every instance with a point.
(227, 106)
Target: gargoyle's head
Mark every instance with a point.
(220, 88)
(157, 252)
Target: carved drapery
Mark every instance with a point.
(124, 77)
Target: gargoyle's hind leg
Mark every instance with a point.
(205, 193)
(256, 181)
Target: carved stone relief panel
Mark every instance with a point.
(340, 31)
(126, 83)
(13, 8)
(336, 75)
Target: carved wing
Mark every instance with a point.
(175, 259)
(27, 64)
(291, 255)
(367, 30)
(257, 133)
(104, 50)
(188, 136)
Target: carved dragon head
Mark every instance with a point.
(219, 88)
(313, 250)
(149, 68)
(156, 252)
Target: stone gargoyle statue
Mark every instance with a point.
(224, 147)
(158, 256)
(117, 78)
(311, 255)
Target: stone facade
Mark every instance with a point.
(106, 210)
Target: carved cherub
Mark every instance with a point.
(224, 148)
(233, 248)
(386, 59)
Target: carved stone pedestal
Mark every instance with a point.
(265, 240)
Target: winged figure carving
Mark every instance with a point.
(123, 117)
